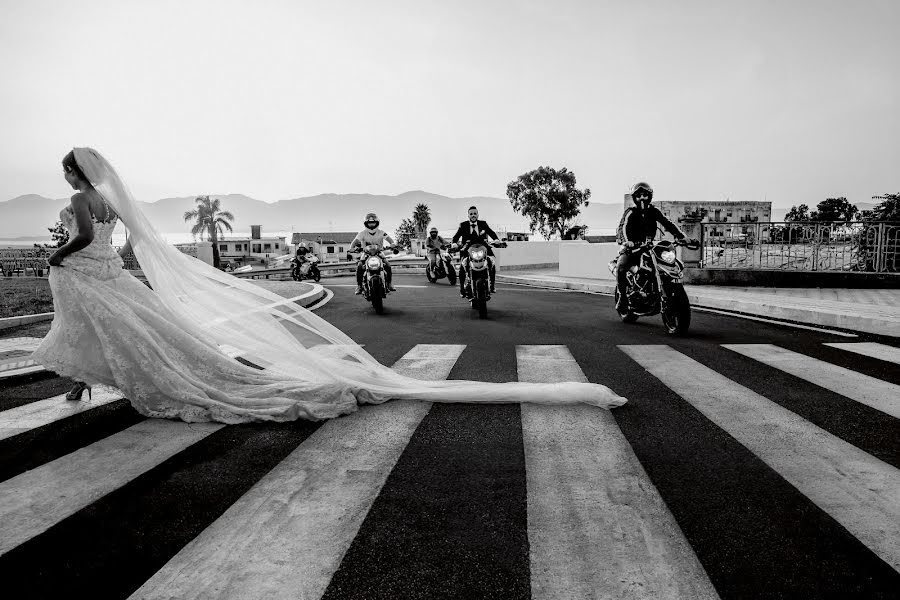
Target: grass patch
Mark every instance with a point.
(24, 296)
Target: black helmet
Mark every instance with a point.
(433, 230)
(638, 187)
(371, 217)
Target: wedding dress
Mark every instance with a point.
(166, 348)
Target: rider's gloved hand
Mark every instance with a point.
(628, 244)
(680, 238)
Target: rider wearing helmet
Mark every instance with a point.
(638, 224)
(371, 235)
(433, 244)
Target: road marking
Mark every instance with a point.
(287, 535)
(880, 395)
(37, 414)
(855, 488)
(871, 349)
(597, 525)
(36, 500)
(773, 321)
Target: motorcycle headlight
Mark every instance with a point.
(478, 255)
(667, 256)
(374, 263)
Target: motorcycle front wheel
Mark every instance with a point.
(480, 301)
(677, 316)
(376, 294)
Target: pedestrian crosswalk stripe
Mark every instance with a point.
(43, 412)
(871, 349)
(880, 395)
(856, 489)
(36, 500)
(587, 495)
(287, 535)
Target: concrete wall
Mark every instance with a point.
(582, 259)
(795, 279)
(518, 254)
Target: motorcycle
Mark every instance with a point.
(374, 277)
(442, 267)
(305, 270)
(655, 287)
(477, 276)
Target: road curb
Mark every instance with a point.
(9, 322)
(822, 316)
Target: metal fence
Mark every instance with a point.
(33, 261)
(872, 247)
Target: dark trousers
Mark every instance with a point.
(361, 269)
(625, 262)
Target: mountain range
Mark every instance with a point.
(30, 215)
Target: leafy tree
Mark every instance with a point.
(59, 235)
(211, 221)
(887, 210)
(798, 213)
(835, 210)
(548, 198)
(406, 232)
(421, 218)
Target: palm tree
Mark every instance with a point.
(211, 221)
(421, 218)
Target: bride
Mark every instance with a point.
(167, 349)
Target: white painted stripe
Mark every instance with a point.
(286, 536)
(37, 414)
(859, 491)
(880, 395)
(36, 500)
(597, 526)
(872, 349)
(774, 321)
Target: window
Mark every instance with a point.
(329, 250)
(267, 247)
(340, 249)
(257, 249)
(276, 246)
(728, 214)
(223, 247)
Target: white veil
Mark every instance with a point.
(282, 336)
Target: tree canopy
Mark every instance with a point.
(406, 232)
(211, 221)
(887, 210)
(548, 198)
(59, 235)
(828, 210)
(421, 218)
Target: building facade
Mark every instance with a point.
(329, 246)
(253, 248)
(736, 218)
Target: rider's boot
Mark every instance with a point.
(622, 303)
(359, 289)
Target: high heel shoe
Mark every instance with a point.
(75, 393)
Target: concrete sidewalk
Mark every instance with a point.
(874, 311)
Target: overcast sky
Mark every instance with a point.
(788, 101)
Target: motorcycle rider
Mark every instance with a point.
(299, 258)
(433, 244)
(638, 224)
(371, 235)
(471, 232)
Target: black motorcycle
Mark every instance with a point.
(478, 283)
(442, 267)
(655, 285)
(375, 277)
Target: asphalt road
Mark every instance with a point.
(732, 445)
